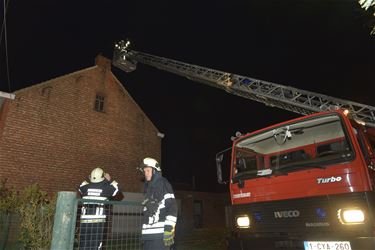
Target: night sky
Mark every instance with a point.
(317, 45)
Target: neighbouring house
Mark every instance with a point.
(199, 209)
(54, 133)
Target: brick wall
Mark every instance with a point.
(51, 134)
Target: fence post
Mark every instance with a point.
(64, 223)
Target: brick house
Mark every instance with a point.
(201, 210)
(54, 133)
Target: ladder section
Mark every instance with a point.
(271, 94)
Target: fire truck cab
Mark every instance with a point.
(306, 184)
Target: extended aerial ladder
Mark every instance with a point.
(275, 95)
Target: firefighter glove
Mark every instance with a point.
(168, 238)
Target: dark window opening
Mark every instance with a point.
(99, 103)
(362, 145)
(198, 213)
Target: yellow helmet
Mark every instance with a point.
(97, 175)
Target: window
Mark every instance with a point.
(198, 213)
(247, 164)
(99, 103)
(336, 147)
(362, 144)
(317, 141)
(291, 157)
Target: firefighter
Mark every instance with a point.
(93, 214)
(160, 208)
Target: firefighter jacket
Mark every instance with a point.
(160, 208)
(92, 211)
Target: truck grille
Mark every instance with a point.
(307, 215)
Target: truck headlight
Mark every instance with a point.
(351, 216)
(243, 221)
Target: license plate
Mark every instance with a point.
(327, 245)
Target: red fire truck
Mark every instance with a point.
(307, 184)
(303, 184)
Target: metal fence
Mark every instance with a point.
(108, 224)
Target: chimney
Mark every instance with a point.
(103, 62)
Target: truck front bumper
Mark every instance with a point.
(278, 243)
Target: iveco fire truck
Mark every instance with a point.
(307, 183)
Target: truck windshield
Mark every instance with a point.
(312, 143)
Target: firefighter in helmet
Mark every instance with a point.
(93, 212)
(160, 208)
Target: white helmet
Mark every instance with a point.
(97, 175)
(150, 162)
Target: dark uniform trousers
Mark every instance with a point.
(91, 236)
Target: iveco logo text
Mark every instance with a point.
(286, 214)
(329, 180)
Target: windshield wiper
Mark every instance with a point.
(314, 166)
(244, 175)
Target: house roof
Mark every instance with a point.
(55, 79)
(101, 62)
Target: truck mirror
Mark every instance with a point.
(219, 160)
